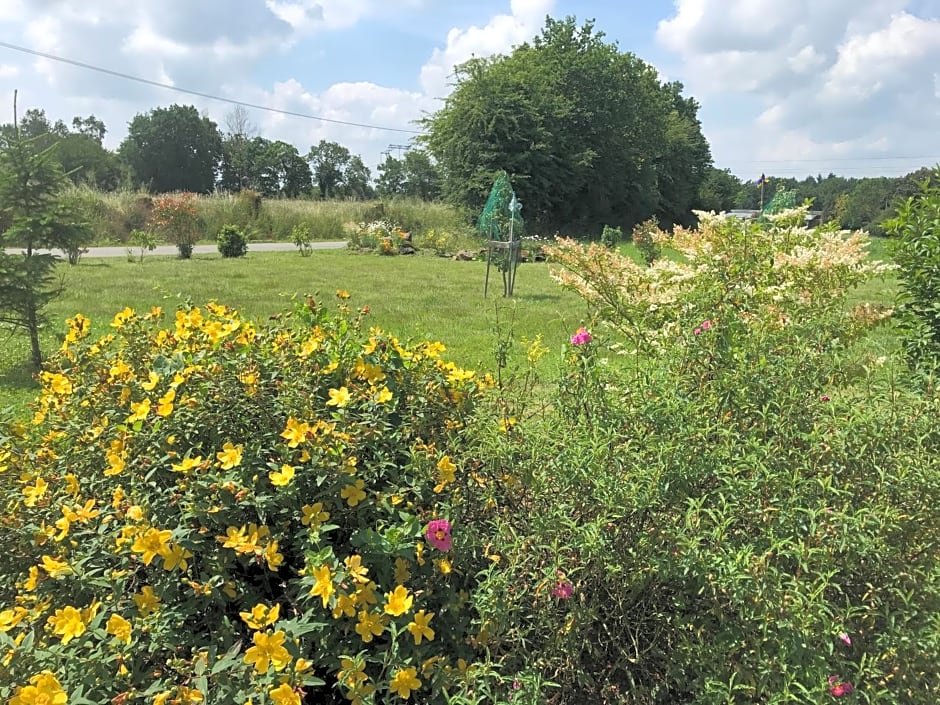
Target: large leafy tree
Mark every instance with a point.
(718, 190)
(414, 175)
(357, 180)
(173, 149)
(329, 161)
(589, 134)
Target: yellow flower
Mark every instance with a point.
(120, 628)
(398, 601)
(67, 623)
(230, 457)
(314, 515)
(152, 542)
(10, 618)
(55, 568)
(165, 403)
(339, 397)
(384, 395)
(122, 317)
(268, 651)
(33, 580)
(404, 681)
(260, 616)
(284, 695)
(419, 627)
(272, 557)
(189, 696)
(323, 585)
(135, 512)
(342, 294)
(447, 472)
(43, 689)
(402, 574)
(443, 565)
(365, 594)
(139, 411)
(345, 606)
(295, 433)
(152, 379)
(282, 477)
(187, 464)
(175, 557)
(58, 383)
(146, 601)
(355, 569)
(354, 493)
(34, 493)
(161, 698)
(369, 626)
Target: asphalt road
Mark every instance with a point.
(197, 250)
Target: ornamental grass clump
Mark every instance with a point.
(208, 509)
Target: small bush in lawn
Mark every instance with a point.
(648, 239)
(611, 237)
(232, 242)
(174, 217)
(204, 509)
(300, 236)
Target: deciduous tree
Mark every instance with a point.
(173, 149)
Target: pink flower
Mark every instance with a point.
(563, 589)
(846, 639)
(824, 398)
(438, 534)
(706, 325)
(838, 687)
(582, 336)
(697, 331)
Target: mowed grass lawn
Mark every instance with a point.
(418, 298)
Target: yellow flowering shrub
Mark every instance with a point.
(204, 509)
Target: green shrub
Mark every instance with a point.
(611, 237)
(144, 241)
(209, 510)
(648, 238)
(712, 511)
(916, 250)
(300, 236)
(232, 242)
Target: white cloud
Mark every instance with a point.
(499, 35)
(833, 80)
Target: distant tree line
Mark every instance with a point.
(589, 135)
(177, 149)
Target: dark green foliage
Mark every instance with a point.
(718, 190)
(916, 250)
(232, 242)
(173, 149)
(414, 175)
(589, 134)
(35, 217)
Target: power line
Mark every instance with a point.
(138, 79)
(832, 159)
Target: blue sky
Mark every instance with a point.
(794, 88)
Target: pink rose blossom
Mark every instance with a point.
(438, 534)
(697, 331)
(582, 336)
(706, 324)
(838, 687)
(563, 589)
